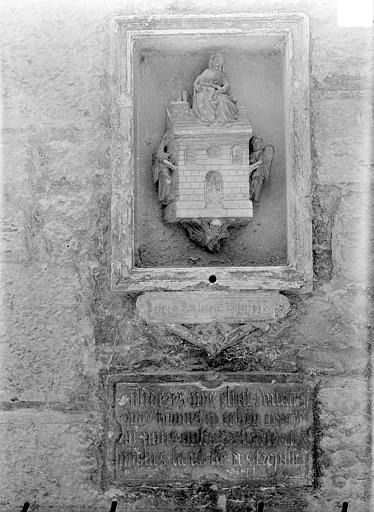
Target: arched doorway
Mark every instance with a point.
(213, 189)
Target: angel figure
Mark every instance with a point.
(163, 169)
(260, 160)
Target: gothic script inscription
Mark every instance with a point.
(249, 431)
(205, 307)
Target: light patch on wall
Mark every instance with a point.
(355, 13)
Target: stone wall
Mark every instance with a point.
(63, 328)
(250, 73)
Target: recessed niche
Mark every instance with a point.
(266, 63)
(255, 68)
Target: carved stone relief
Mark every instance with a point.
(209, 167)
(140, 258)
(213, 321)
(236, 155)
(230, 428)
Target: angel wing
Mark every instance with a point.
(267, 160)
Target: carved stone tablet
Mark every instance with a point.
(239, 429)
(205, 307)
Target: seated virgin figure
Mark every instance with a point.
(212, 101)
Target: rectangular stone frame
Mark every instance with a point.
(297, 275)
(210, 380)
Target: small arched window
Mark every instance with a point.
(213, 189)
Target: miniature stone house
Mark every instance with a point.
(71, 344)
(212, 171)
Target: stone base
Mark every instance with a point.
(177, 211)
(210, 234)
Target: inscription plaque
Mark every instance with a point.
(205, 307)
(256, 429)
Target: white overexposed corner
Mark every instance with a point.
(355, 13)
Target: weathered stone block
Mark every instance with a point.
(203, 143)
(205, 307)
(228, 428)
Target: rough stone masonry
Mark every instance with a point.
(64, 330)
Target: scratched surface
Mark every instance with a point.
(238, 431)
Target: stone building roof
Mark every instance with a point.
(183, 122)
